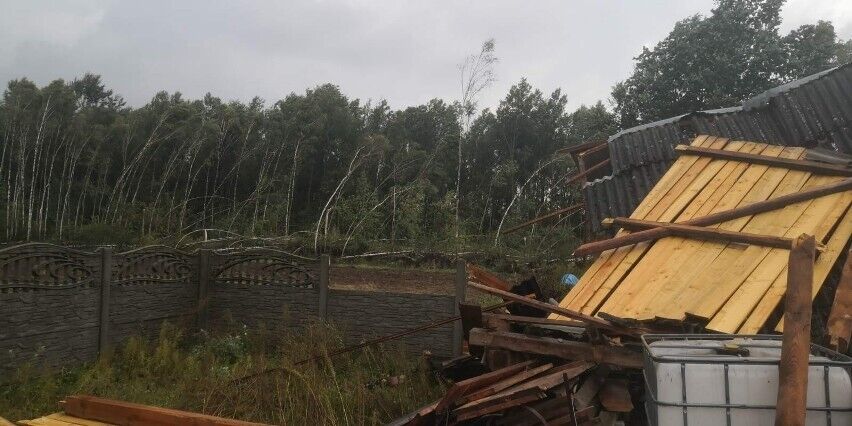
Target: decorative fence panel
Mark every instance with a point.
(61, 306)
(49, 305)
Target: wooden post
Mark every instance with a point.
(106, 279)
(840, 319)
(461, 284)
(324, 270)
(203, 287)
(795, 346)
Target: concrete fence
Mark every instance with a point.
(61, 306)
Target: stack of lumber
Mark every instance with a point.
(537, 370)
(727, 276)
(84, 410)
(536, 391)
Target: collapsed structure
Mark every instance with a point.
(813, 112)
(713, 249)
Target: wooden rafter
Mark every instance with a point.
(736, 213)
(787, 163)
(704, 233)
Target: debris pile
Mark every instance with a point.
(737, 238)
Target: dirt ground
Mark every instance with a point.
(392, 279)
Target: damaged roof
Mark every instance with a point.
(727, 287)
(809, 112)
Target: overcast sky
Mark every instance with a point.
(404, 51)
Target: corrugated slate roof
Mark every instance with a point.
(812, 111)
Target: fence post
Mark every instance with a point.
(106, 279)
(461, 285)
(203, 287)
(325, 265)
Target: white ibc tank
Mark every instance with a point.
(696, 380)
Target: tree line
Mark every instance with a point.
(76, 163)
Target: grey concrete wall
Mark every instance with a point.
(55, 309)
(366, 314)
(277, 308)
(48, 328)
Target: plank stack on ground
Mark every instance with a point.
(85, 410)
(719, 284)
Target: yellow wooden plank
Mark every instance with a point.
(609, 261)
(76, 420)
(680, 197)
(733, 263)
(591, 281)
(679, 259)
(835, 246)
(820, 210)
(676, 254)
(770, 263)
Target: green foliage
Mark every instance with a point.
(720, 60)
(195, 373)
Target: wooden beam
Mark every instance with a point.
(533, 320)
(544, 217)
(501, 401)
(565, 349)
(128, 413)
(724, 216)
(795, 346)
(588, 319)
(481, 276)
(615, 397)
(706, 233)
(459, 389)
(787, 163)
(840, 318)
(588, 171)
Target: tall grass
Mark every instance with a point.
(196, 373)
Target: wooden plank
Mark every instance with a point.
(760, 314)
(731, 265)
(552, 378)
(615, 397)
(708, 198)
(506, 383)
(826, 259)
(544, 217)
(769, 263)
(608, 261)
(596, 167)
(640, 289)
(634, 256)
(128, 413)
(702, 265)
(723, 216)
(663, 204)
(553, 309)
(505, 402)
(76, 420)
(840, 318)
(563, 349)
(4, 422)
(518, 319)
(459, 389)
(700, 232)
(481, 276)
(802, 165)
(795, 346)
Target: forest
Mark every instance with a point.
(329, 173)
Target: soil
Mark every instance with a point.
(392, 280)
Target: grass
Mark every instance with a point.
(195, 372)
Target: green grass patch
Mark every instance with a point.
(196, 373)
